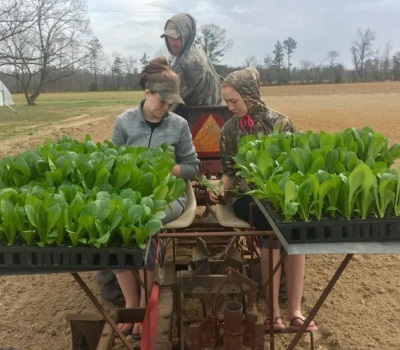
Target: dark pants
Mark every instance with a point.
(241, 209)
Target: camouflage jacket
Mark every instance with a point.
(199, 80)
(246, 82)
(231, 133)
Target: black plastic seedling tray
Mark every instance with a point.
(336, 229)
(24, 259)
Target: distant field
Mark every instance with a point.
(333, 89)
(311, 107)
(57, 108)
(333, 107)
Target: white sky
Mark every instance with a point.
(133, 27)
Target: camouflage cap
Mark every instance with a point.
(168, 91)
(171, 30)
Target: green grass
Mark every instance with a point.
(54, 108)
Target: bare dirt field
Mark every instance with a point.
(362, 312)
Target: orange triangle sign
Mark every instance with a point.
(207, 136)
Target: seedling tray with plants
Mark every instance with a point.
(321, 187)
(68, 196)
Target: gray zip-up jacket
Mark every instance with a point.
(131, 129)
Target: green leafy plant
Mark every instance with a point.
(312, 176)
(85, 193)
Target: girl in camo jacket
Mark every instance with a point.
(241, 92)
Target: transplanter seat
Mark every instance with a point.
(188, 215)
(227, 218)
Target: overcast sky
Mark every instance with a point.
(133, 27)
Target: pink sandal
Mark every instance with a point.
(278, 324)
(311, 327)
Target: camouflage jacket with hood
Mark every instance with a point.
(247, 83)
(199, 80)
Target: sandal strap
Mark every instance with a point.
(296, 318)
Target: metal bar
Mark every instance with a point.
(107, 335)
(320, 301)
(99, 307)
(193, 242)
(252, 248)
(312, 340)
(209, 234)
(368, 247)
(271, 294)
(181, 333)
(387, 247)
(165, 318)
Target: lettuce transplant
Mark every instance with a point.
(84, 193)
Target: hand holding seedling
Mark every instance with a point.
(216, 191)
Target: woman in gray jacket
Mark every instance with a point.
(152, 124)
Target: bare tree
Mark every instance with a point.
(268, 61)
(105, 68)
(9, 26)
(362, 50)
(289, 45)
(396, 66)
(116, 69)
(385, 60)
(96, 55)
(212, 39)
(54, 46)
(332, 59)
(250, 61)
(278, 59)
(305, 66)
(266, 69)
(316, 70)
(129, 66)
(144, 59)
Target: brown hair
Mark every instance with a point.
(157, 71)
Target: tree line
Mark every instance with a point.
(48, 46)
